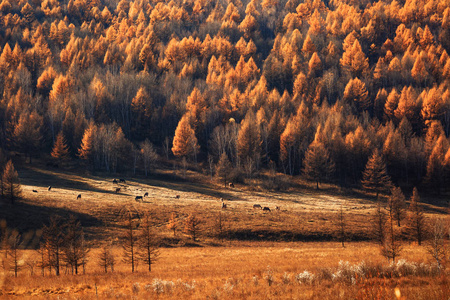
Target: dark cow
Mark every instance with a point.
(266, 208)
(224, 206)
(177, 197)
(138, 198)
(79, 196)
(146, 194)
(122, 180)
(34, 191)
(231, 185)
(115, 181)
(277, 207)
(117, 190)
(257, 206)
(49, 188)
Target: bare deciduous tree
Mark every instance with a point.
(148, 242)
(106, 258)
(173, 223)
(391, 247)
(342, 224)
(417, 221)
(74, 250)
(54, 239)
(130, 238)
(379, 223)
(14, 243)
(436, 246)
(192, 226)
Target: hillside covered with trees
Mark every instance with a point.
(302, 87)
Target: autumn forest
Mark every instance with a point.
(318, 88)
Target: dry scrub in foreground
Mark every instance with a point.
(262, 271)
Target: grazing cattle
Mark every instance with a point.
(34, 191)
(231, 185)
(117, 190)
(115, 181)
(138, 198)
(177, 196)
(277, 207)
(49, 188)
(266, 208)
(224, 206)
(122, 180)
(146, 194)
(79, 196)
(257, 206)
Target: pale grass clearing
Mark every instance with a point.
(94, 189)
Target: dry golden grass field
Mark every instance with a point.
(291, 253)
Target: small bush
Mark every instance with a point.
(255, 280)
(162, 286)
(268, 276)
(286, 278)
(305, 277)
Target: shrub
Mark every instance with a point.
(306, 277)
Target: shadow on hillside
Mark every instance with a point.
(44, 178)
(26, 217)
(176, 183)
(289, 236)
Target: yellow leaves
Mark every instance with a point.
(231, 14)
(356, 92)
(354, 60)
(315, 64)
(184, 141)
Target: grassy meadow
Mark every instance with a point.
(290, 253)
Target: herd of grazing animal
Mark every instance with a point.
(141, 198)
(265, 208)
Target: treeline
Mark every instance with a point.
(61, 246)
(268, 83)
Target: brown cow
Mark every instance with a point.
(224, 206)
(277, 207)
(257, 206)
(266, 208)
(117, 190)
(231, 185)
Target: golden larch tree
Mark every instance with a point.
(375, 176)
(318, 165)
(60, 150)
(416, 220)
(11, 183)
(355, 93)
(184, 142)
(86, 150)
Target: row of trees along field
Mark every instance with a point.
(61, 244)
(269, 83)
